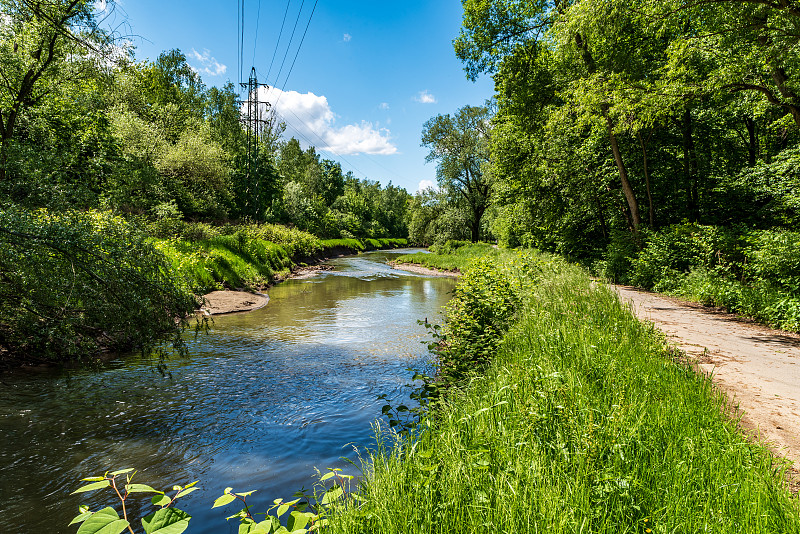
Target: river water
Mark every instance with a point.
(262, 400)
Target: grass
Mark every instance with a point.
(582, 422)
(245, 260)
(458, 260)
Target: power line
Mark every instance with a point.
(298, 48)
(280, 34)
(289, 46)
(255, 39)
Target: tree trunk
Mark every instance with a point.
(690, 167)
(627, 190)
(647, 181)
(752, 141)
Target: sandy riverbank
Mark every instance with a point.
(419, 269)
(228, 301)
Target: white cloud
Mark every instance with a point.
(426, 184)
(347, 37)
(383, 105)
(310, 116)
(424, 97)
(208, 64)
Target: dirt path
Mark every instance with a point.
(759, 368)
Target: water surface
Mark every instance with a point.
(261, 401)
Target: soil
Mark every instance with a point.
(222, 302)
(757, 367)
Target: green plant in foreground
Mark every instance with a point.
(303, 516)
(307, 513)
(165, 520)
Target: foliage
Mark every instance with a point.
(459, 145)
(306, 513)
(749, 272)
(76, 282)
(250, 256)
(165, 520)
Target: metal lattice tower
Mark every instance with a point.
(253, 125)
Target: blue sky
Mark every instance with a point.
(367, 77)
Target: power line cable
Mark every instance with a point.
(286, 81)
(289, 46)
(280, 34)
(255, 39)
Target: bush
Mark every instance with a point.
(75, 283)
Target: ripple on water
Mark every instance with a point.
(261, 402)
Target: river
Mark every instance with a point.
(261, 401)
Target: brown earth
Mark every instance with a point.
(222, 302)
(757, 367)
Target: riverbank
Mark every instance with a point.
(579, 418)
(222, 302)
(418, 269)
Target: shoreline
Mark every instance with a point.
(228, 301)
(419, 269)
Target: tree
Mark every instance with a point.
(42, 43)
(459, 144)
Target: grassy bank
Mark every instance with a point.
(453, 256)
(580, 421)
(206, 258)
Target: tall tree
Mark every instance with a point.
(41, 43)
(460, 145)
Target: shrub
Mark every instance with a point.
(75, 283)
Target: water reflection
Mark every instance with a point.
(264, 399)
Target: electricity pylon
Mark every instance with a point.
(253, 125)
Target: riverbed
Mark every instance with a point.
(262, 400)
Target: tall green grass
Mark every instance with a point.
(582, 422)
(244, 260)
(453, 258)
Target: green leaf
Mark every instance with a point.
(185, 491)
(297, 520)
(160, 500)
(105, 521)
(223, 500)
(285, 506)
(121, 472)
(326, 476)
(81, 518)
(166, 521)
(332, 495)
(249, 526)
(93, 479)
(187, 486)
(93, 486)
(140, 488)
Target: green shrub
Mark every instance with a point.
(75, 283)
